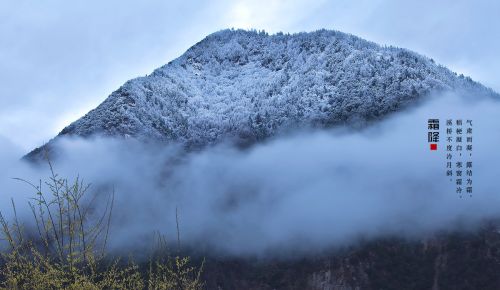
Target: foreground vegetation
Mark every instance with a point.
(64, 246)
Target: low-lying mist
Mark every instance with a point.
(301, 193)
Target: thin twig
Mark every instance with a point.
(178, 231)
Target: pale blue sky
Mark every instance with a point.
(59, 59)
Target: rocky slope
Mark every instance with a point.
(444, 261)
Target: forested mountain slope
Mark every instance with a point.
(248, 85)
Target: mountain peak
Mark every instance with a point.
(247, 85)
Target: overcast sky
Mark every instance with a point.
(59, 59)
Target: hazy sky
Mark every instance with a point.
(59, 59)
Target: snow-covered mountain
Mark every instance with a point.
(249, 85)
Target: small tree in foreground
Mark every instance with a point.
(66, 248)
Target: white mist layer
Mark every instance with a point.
(303, 193)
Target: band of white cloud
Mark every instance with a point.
(307, 192)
